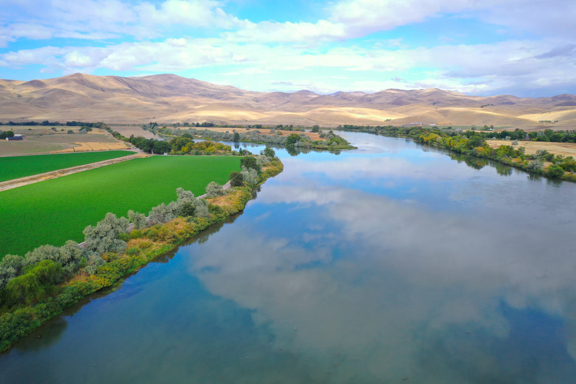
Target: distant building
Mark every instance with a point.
(14, 138)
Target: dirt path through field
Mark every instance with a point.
(11, 184)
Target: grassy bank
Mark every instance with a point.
(22, 166)
(18, 320)
(57, 210)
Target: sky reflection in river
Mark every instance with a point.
(378, 265)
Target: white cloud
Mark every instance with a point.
(480, 68)
(104, 19)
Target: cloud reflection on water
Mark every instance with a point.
(397, 289)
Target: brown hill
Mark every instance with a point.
(171, 98)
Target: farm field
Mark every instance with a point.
(57, 210)
(564, 149)
(21, 166)
(37, 144)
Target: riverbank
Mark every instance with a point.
(323, 141)
(541, 162)
(142, 246)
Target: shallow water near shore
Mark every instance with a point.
(391, 263)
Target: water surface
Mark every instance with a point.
(387, 264)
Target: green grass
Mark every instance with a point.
(22, 166)
(53, 211)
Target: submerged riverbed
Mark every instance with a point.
(390, 263)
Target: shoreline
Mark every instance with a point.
(429, 138)
(21, 321)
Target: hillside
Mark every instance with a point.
(170, 98)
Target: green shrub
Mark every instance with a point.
(136, 234)
(35, 284)
(554, 171)
(215, 209)
(133, 251)
(145, 244)
(236, 179)
(123, 236)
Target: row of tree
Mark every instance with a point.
(474, 143)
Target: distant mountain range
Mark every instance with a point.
(171, 98)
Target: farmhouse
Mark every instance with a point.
(15, 137)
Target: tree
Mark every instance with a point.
(268, 152)
(554, 171)
(162, 147)
(138, 219)
(475, 141)
(236, 137)
(35, 284)
(213, 189)
(292, 139)
(178, 143)
(104, 236)
(4, 135)
(236, 179)
(250, 163)
(315, 128)
(250, 175)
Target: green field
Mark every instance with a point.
(22, 166)
(53, 211)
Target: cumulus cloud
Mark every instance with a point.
(476, 69)
(106, 19)
(516, 66)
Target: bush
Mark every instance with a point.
(554, 171)
(250, 176)
(213, 189)
(104, 236)
(133, 251)
(145, 244)
(36, 284)
(138, 219)
(268, 152)
(136, 234)
(215, 209)
(123, 236)
(249, 162)
(94, 261)
(236, 179)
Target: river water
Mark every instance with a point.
(392, 263)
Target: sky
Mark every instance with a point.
(525, 48)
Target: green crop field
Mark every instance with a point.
(53, 211)
(22, 166)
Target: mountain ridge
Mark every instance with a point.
(170, 98)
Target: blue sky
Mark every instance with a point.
(519, 47)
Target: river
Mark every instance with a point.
(392, 263)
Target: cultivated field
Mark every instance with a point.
(57, 210)
(564, 149)
(127, 131)
(37, 142)
(96, 146)
(22, 166)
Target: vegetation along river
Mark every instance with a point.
(391, 263)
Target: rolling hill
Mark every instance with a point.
(171, 98)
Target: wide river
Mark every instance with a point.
(392, 263)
